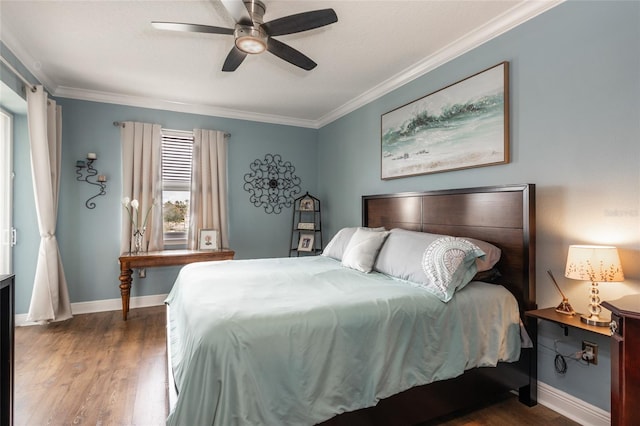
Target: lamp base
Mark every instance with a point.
(596, 320)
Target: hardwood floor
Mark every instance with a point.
(509, 412)
(93, 369)
(96, 369)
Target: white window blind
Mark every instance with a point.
(177, 154)
(177, 149)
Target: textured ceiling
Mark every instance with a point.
(108, 51)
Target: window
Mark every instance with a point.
(177, 149)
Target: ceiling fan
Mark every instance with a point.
(253, 35)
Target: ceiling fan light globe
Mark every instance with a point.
(251, 45)
(250, 40)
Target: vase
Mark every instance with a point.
(138, 241)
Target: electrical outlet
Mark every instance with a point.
(590, 352)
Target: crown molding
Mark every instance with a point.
(496, 27)
(167, 105)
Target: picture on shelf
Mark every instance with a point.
(208, 239)
(306, 204)
(306, 242)
(308, 226)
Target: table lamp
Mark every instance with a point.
(595, 264)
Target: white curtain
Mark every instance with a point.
(50, 296)
(142, 181)
(208, 209)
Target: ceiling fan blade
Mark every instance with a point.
(290, 54)
(191, 28)
(238, 11)
(234, 59)
(300, 22)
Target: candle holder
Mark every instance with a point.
(85, 171)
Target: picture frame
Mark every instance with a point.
(208, 239)
(306, 242)
(307, 205)
(307, 226)
(461, 126)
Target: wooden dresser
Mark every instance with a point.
(625, 360)
(7, 316)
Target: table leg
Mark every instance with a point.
(125, 287)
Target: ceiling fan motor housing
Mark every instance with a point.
(252, 39)
(256, 10)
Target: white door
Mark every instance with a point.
(7, 235)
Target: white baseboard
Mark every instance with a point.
(103, 306)
(572, 407)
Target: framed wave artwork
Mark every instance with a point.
(461, 126)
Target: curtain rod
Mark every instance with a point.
(121, 124)
(17, 74)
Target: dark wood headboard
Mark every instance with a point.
(501, 215)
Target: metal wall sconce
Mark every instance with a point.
(83, 176)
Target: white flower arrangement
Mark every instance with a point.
(132, 208)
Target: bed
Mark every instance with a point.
(310, 340)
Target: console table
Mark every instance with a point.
(161, 258)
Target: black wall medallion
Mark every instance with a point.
(272, 183)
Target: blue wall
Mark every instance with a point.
(575, 127)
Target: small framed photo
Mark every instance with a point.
(306, 242)
(307, 205)
(308, 226)
(208, 239)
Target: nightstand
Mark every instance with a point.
(625, 369)
(566, 321)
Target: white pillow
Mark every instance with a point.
(449, 263)
(337, 245)
(363, 248)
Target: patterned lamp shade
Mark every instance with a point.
(594, 263)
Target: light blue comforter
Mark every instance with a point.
(295, 341)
